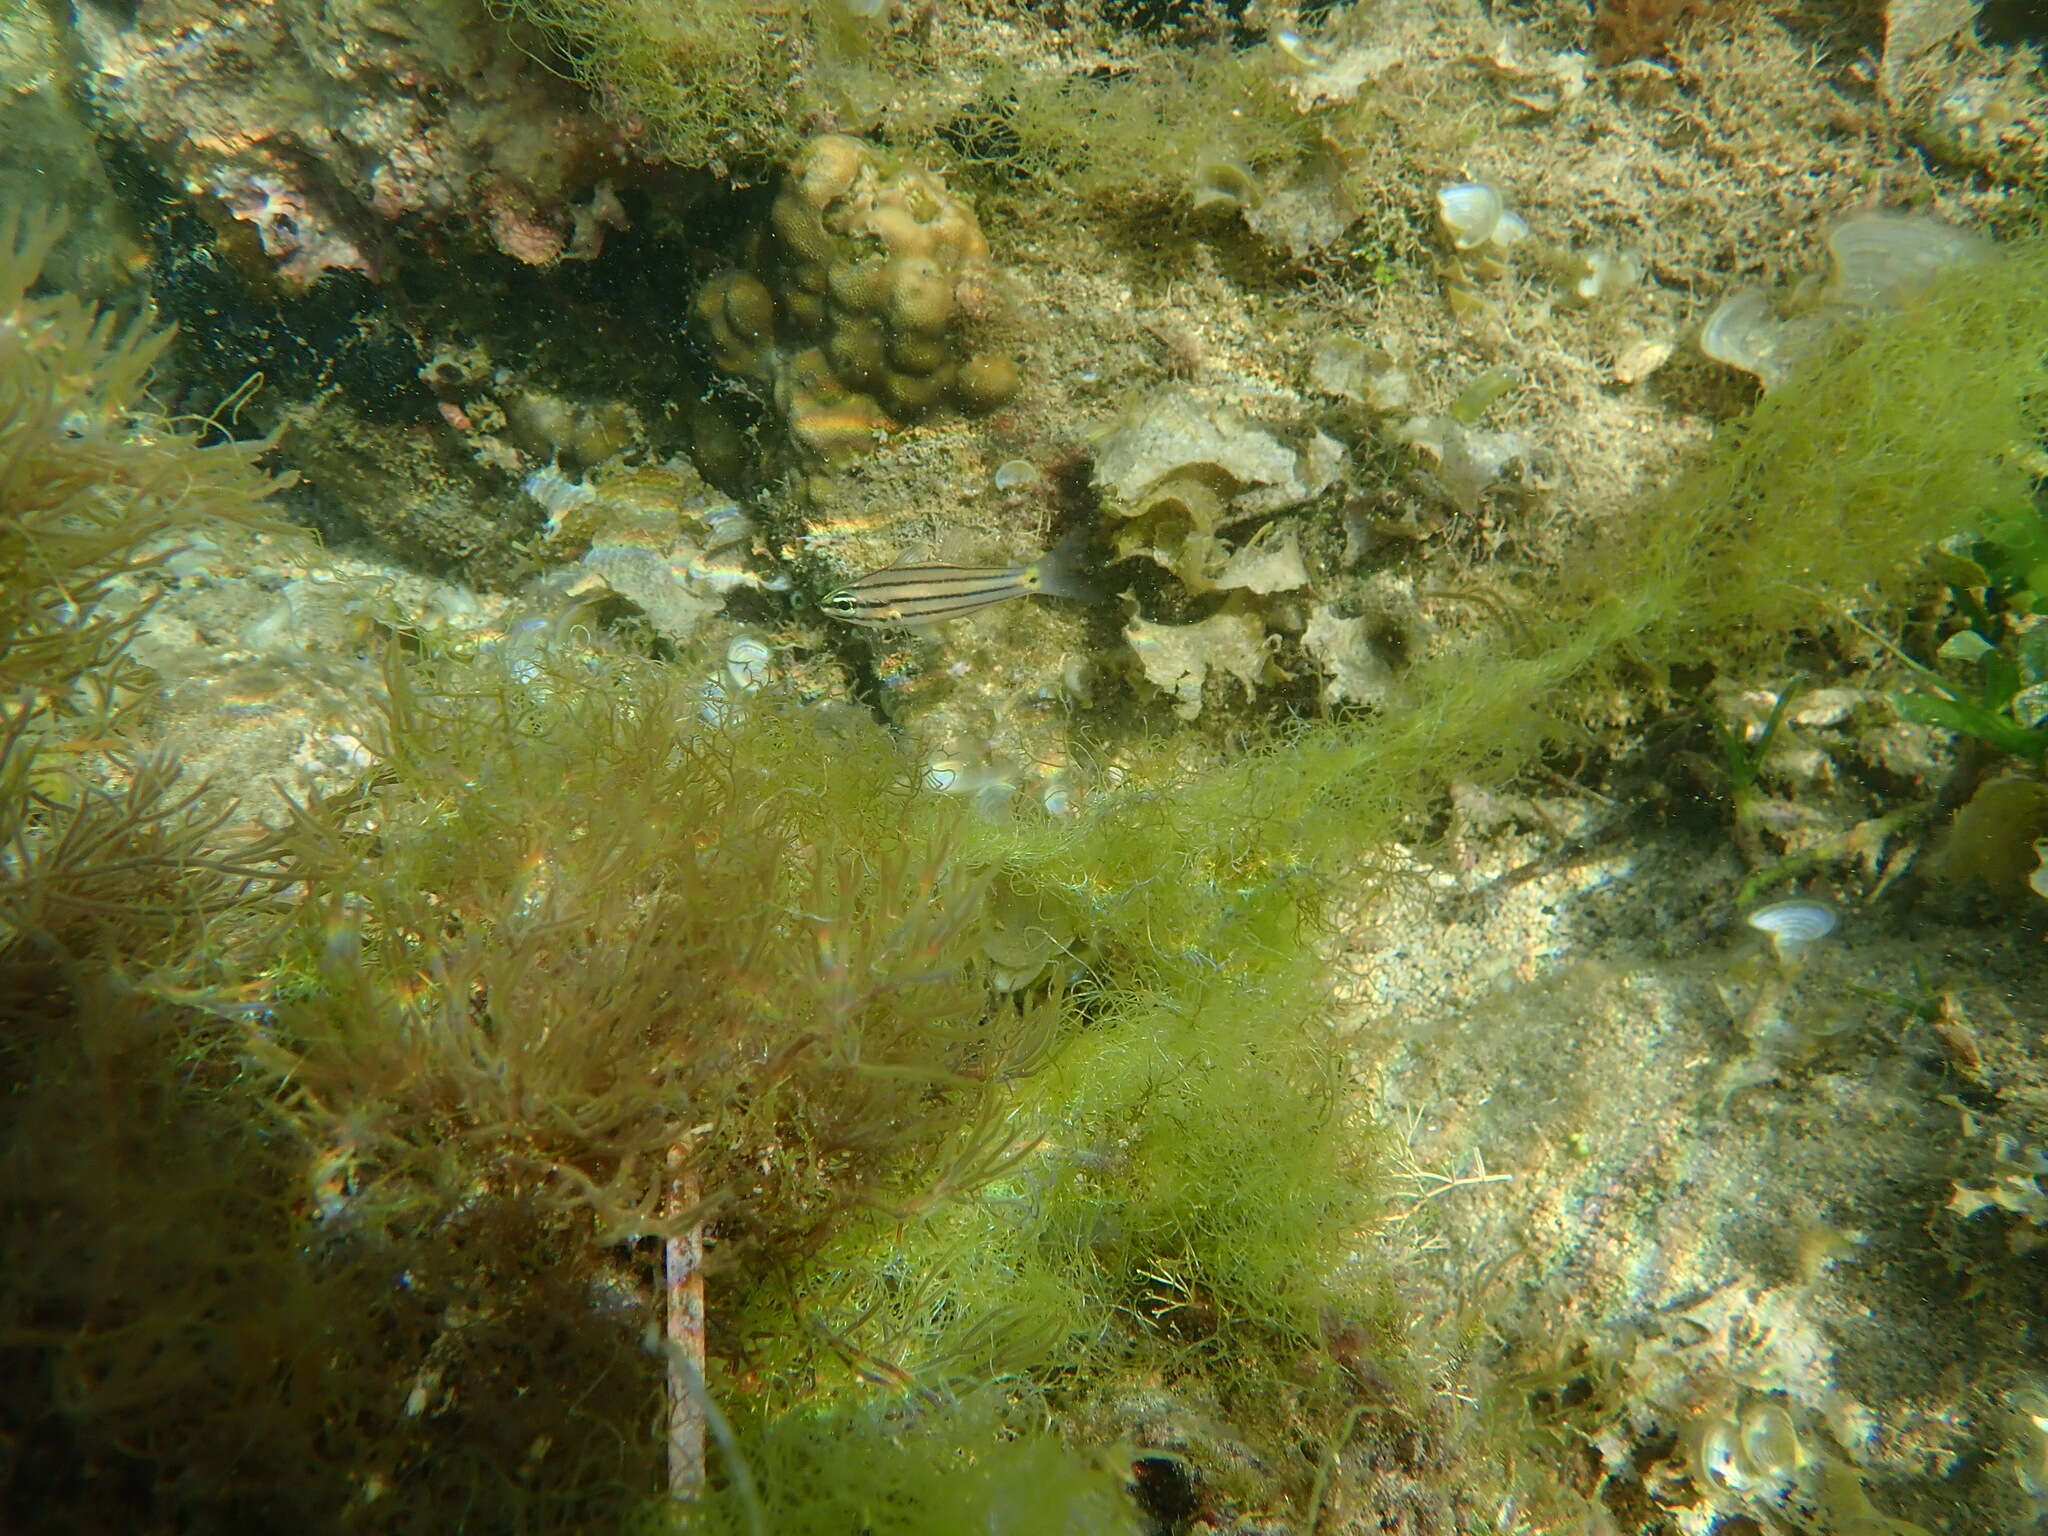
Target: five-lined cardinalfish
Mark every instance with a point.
(915, 596)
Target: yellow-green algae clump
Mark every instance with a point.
(726, 84)
(335, 1204)
(1150, 128)
(704, 81)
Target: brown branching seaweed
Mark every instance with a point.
(1642, 29)
(103, 853)
(123, 893)
(682, 994)
(198, 1326)
(92, 488)
(325, 1147)
(594, 923)
(129, 874)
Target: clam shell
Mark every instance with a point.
(1791, 924)
(1290, 44)
(1770, 1443)
(1471, 213)
(748, 662)
(1885, 256)
(724, 524)
(1744, 332)
(1716, 1454)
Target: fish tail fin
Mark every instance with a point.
(1061, 570)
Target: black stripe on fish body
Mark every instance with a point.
(943, 578)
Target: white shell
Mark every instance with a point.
(1292, 45)
(712, 707)
(1358, 370)
(1745, 332)
(1770, 1443)
(724, 524)
(1270, 561)
(1794, 923)
(1881, 257)
(747, 662)
(1013, 474)
(1604, 275)
(1340, 367)
(1471, 212)
(1717, 1454)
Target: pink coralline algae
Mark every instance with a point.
(318, 123)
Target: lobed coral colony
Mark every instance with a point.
(1487, 982)
(858, 305)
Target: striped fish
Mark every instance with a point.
(912, 596)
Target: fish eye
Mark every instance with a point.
(840, 603)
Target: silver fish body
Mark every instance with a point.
(912, 596)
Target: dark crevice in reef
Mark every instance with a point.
(373, 382)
